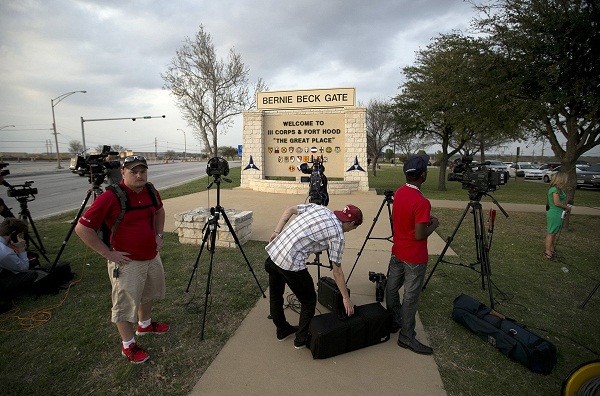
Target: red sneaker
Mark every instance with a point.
(154, 328)
(135, 354)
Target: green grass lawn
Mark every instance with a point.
(64, 344)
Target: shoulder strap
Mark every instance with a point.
(121, 194)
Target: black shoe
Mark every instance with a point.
(395, 328)
(299, 344)
(415, 346)
(284, 335)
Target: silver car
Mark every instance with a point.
(526, 170)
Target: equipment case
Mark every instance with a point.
(329, 296)
(330, 336)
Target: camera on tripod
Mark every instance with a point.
(317, 190)
(380, 282)
(22, 190)
(476, 178)
(217, 166)
(98, 164)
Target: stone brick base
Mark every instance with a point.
(190, 224)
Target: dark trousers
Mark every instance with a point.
(13, 284)
(301, 284)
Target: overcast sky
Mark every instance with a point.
(116, 50)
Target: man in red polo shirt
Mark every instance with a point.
(134, 266)
(413, 223)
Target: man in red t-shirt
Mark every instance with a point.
(134, 266)
(413, 223)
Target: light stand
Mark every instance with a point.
(210, 231)
(482, 247)
(389, 199)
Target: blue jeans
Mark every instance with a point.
(411, 276)
(301, 284)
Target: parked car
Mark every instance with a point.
(590, 177)
(548, 173)
(549, 165)
(526, 170)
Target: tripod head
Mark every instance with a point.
(389, 196)
(475, 196)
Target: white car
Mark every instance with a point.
(526, 170)
(548, 173)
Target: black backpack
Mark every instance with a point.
(106, 234)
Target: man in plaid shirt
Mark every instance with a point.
(314, 230)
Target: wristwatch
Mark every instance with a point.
(160, 236)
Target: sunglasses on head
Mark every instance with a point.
(132, 158)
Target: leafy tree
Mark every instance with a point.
(228, 151)
(454, 93)
(551, 50)
(209, 91)
(380, 128)
(170, 154)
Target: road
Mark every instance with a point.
(60, 191)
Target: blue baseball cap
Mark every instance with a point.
(416, 165)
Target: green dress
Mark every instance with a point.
(554, 214)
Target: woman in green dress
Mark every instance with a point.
(554, 214)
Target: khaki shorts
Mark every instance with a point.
(139, 282)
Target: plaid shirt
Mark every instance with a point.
(315, 229)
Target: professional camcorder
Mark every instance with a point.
(217, 166)
(317, 190)
(380, 282)
(22, 190)
(98, 164)
(477, 178)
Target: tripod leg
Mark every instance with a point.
(204, 239)
(237, 242)
(211, 248)
(73, 224)
(590, 295)
(448, 242)
(369, 235)
(483, 251)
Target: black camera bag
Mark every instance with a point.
(330, 336)
(329, 296)
(512, 338)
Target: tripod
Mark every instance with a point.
(589, 296)
(25, 215)
(97, 180)
(482, 246)
(388, 199)
(210, 231)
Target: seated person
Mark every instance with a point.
(15, 273)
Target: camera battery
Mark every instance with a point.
(329, 296)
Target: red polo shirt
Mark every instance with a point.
(410, 207)
(136, 233)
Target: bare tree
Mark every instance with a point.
(380, 129)
(75, 147)
(209, 91)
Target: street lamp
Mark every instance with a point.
(184, 143)
(112, 119)
(58, 99)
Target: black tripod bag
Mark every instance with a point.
(512, 338)
(330, 336)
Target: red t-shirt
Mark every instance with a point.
(410, 207)
(136, 233)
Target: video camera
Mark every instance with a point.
(476, 178)
(217, 166)
(97, 163)
(317, 190)
(380, 282)
(22, 190)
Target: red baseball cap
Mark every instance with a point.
(350, 213)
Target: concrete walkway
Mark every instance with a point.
(253, 362)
